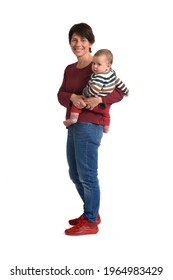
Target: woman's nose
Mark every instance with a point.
(78, 43)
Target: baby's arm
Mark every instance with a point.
(120, 85)
(93, 88)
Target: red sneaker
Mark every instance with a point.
(82, 228)
(76, 221)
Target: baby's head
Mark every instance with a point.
(102, 61)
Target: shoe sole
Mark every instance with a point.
(78, 234)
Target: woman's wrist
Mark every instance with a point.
(72, 97)
(100, 100)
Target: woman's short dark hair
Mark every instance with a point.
(83, 30)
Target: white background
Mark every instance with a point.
(135, 162)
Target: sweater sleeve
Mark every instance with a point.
(94, 87)
(120, 85)
(62, 95)
(113, 97)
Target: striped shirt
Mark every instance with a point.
(104, 83)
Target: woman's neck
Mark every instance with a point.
(84, 61)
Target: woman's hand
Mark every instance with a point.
(92, 102)
(78, 101)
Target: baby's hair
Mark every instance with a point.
(107, 53)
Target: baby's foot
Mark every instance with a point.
(106, 129)
(69, 122)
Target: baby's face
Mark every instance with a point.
(100, 64)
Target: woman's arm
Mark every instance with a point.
(63, 96)
(66, 96)
(66, 99)
(104, 101)
(113, 97)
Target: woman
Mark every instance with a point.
(84, 137)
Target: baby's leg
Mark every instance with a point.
(73, 119)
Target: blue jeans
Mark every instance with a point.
(83, 142)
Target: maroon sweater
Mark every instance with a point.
(74, 81)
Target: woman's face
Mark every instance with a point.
(79, 45)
